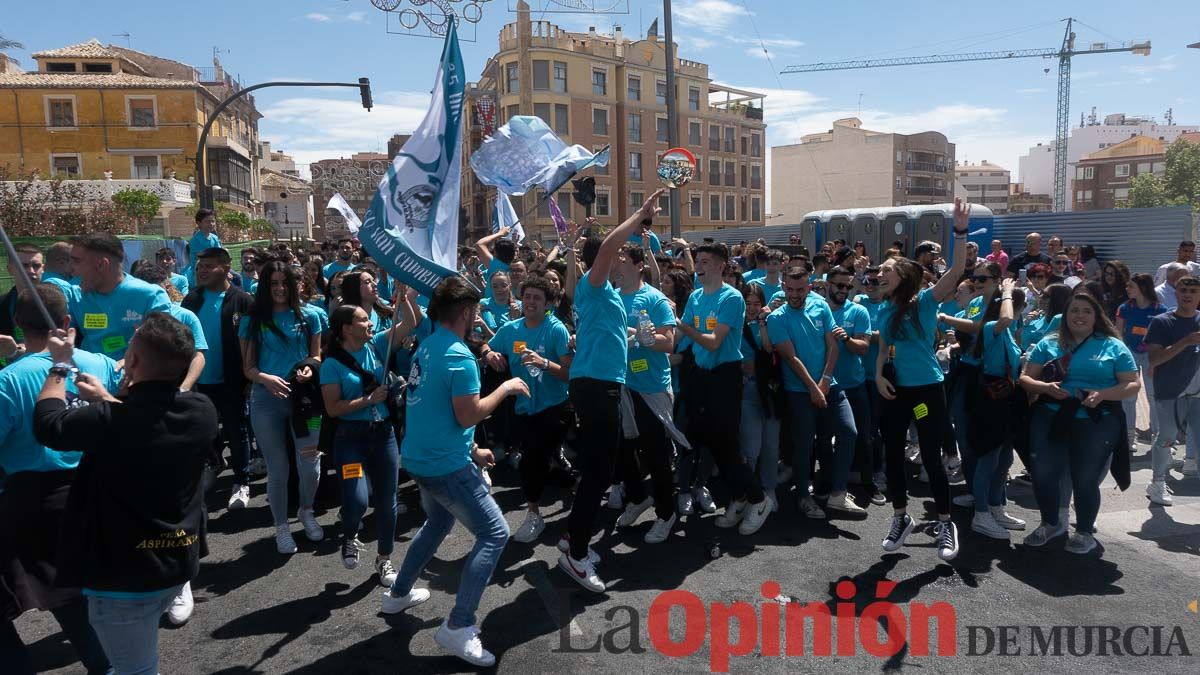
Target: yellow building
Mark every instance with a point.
(115, 118)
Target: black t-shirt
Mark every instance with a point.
(1024, 259)
(1172, 378)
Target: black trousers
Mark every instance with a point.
(927, 406)
(230, 401)
(597, 403)
(714, 398)
(651, 452)
(542, 434)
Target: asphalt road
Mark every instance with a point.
(260, 612)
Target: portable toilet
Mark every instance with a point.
(896, 223)
(811, 230)
(864, 227)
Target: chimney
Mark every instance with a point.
(617, 34)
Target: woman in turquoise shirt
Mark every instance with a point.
(1080, 375)
(1052, 302)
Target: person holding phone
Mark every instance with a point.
(1080, 375)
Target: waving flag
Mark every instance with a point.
(525, 153)
(506, 216)
(411, 229)
(338, 203)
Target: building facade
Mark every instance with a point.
(599, 90)
(1102, 178)
(287, 198)
(357, 178)
(1022, 201)
(983, 183)
(849, 167)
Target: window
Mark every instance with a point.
(745, 145)
(898, 186)
(714, 137)
(742, 207)
(730, 139)
(714, 172)
(755, 145)
(564, 203)
(543, 205)
(743, 172)
(695, 207)
(542, 110)
(60, 112)
(899, 156)
(1122, 170)
(755, 177)
(730, 176)
(141, 112)
(663, 130)
(730, 214)
(636, 199)
(1143, 167)
(1158, 167)
(597, 169)
(97, 68)
(602, 207)
(1121, 193)
(660, 92)
(635, 166)
(65, 165)
(714, 207)
(599, 121)
(146, 166)
(694, 134)
(560, 77)
(562, 116)
(756, 209)
(1085, 172)
(693, 98)
(512, 78)
(664, 203)
(600, 82)
(60, 67)
(635, 128)
(541, 75)
(512, 111)
(635, 92)
(1083, 195)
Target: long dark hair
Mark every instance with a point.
(904, 296)
(682, 286)
(1115, 294)
(992, 313)
(1058, 296)
(263, 310)
(1102, 324)
(1145, 284)
(352, 293)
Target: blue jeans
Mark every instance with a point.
(370, 448)
(991, 477)
(458, 496)
(836, 414)
(874, 437)
(960, 418)
(864, 452)
(1172, 415)
(1085, 453)
(760, 440)
(271, 418)
(128, 630)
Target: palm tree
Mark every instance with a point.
(6, 44)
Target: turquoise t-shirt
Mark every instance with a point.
(600, 347)
(655, 243)
(995, 347)
(753, 275)
(973, 312)
(186, 317)
(1094, 365)
(201, 242)
(915, 361)
(850, 371)
(493, 267)
(69, 290)
(649, 371)
(334, 372)
(704, 312)
(872, 356)
(494, 314)
(20, 384)
(1039, 328)
(805, 329)
(278, 354)
(549, 339)
(180, 283)
(443, 368)
(333, 268)
(109, 319)
(951, 308)
(210, 323)
(769, 290)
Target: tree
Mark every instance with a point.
(139, 205)
(1179, 185)
(262, 228)
(31, 207)
(1146, 191)
(6, 44)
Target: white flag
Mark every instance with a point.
(338, 203)
(506, 216)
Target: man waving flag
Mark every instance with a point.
(411, 229)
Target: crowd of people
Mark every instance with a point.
(635, 373)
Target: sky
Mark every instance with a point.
(992, 111)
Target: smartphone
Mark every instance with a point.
(1023, 276)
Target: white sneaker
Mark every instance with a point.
(564, 546)
(809, 508)
(283, 540)
(350, 550)
(181, 607)
(703, 500)
(732, 515)
(530, 529)
(393, 604)
(1190, 468)
(660, 530)
(616, 497)
(387, 573)
(1044, 533)
(634, 511)
(967, 500)
(946, 533)
(898, 531)
(465, 644)
(985, 524)
(1006, 521)
(845, 503)
(312, 529)
(1159, 493)
(755, 516)
(582, 571)
(240, 498)
(1081, 543)
(683, 504)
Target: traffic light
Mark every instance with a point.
(364, 90)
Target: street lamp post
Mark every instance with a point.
(672, 117)
(203, 194)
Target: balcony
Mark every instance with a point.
(173, 193)
(929, 167)
(925, 191)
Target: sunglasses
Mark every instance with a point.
(843, 287)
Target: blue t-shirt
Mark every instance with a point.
(20, 384)
(769, 290)
(1093, 366)
(278, 354)
(443, 368)
(972, 312)
(649, 371)
(109, 319)
(850, 371)
(493, 267)
(1172, 378)
(872, 356)
(334, 372)
(69, 290)
(600, 346)
(915, 361)
(805, 329)
(950, 308)
(180, 283)
(201, 242)
(704, 312)
(549, 339)
(754, 274)
(998, 347)
(1137, 322)
(210, 323)
(494, 314)
(186, 317)
(333, 268)
(655, 243)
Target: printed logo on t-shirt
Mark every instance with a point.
(131, 317)
(518, 347)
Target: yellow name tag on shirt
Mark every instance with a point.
(350, 471)
(95, 321)
(1139, 330)
(710, 323)
(518, 346)
(639, 365)
(696, 320)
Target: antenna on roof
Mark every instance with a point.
(128, 43)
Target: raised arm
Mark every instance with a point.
(481, 246)
(598, 274)
(945, 286)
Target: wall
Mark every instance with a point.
(853, 169)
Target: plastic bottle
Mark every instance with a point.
(645, 329)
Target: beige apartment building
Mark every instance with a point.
(852, 167)
(983, 183)
(596, 90)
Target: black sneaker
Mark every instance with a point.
(946, 534)
(350, 548)
(900, 528)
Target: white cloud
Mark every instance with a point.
(713, 16)
(1164, 65)
(758, 53)
(357, 17)
(1031, 90)
(318, 17)
(351, 17)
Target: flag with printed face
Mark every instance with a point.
(411, 229)
(525, 153)
(506, 216)
(338, 203)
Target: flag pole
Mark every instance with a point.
(16, 263)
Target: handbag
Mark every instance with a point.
(995, 387)
(396, 385)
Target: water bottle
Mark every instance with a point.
(645, 329)
(534, 370)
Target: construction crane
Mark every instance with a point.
(1063, 53)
